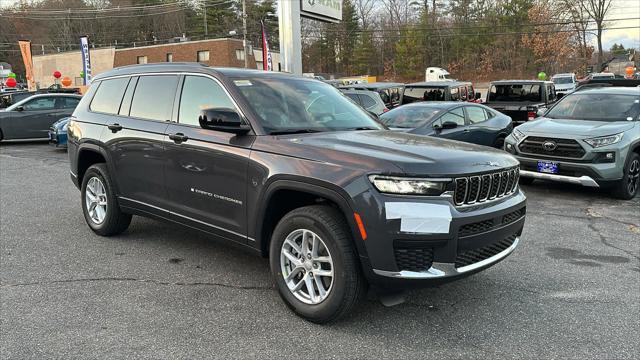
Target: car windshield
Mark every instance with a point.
(562, 80)
(291, 105)
(515, 92)
(409, 117)
(412, 94)
(598, 107)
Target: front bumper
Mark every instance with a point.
(583, 180)
(478, 237)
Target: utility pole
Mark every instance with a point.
(206, 32)
(244, 34)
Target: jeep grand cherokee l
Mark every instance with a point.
(289, 168)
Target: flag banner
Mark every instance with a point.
(267, 62)
(25, 49)
(86, 59)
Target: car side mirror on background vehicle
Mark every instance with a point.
(449, 125)
(223, 119)
(19, 108)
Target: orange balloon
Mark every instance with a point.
(629, 70)
(66, 81)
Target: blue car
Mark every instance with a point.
(58, 132)
(467, 122)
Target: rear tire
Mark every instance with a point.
(99, 203)
(627, 187)
(289, 258)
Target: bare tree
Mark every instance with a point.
(598, 10)
(364, 9)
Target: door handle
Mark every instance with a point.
(466, 130)
(115, 127)
(178, 138)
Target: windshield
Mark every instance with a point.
(300, 105)
(598, 107)
(562, 80)
(409, 117)
(413, 94)
(515, 92)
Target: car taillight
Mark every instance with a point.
(531, 115)
(385, 110)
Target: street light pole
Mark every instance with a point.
(244, 34)
(206, 32)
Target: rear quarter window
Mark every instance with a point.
(109, 95)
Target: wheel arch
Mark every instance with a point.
(283, 196)
(89, 154)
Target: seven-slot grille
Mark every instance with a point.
(567, 148)
(480, 188)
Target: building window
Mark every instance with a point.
(203, 55)
(240, 54)
(169, 57)
(142, 59)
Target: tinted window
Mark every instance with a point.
(367, 101)
(109, 95)
(455, 115)
(409, 116)
(455, 96)
(476, 114)
(153, 98)
(384, 95)
(354, 97)
(515, 92)
(463, 93)
(472, 92)
(199, 93)
(70, 103)
(551, 90)
(423, 94)
(43, 103)
(490, 114)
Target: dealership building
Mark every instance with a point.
(214, 52)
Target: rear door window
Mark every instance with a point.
(43, 103)
(367, 101)
(109, 95)
(455, 116)
(153, 97)
(476, 114)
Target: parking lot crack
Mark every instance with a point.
(605, 242)
(149, 281)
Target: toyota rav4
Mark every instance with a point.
(289, 168)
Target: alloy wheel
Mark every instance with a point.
(633, 177)
(96, 200)
(307, 266)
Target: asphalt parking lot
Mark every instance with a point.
(571, 290)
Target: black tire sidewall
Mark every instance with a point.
(99, 171)
(333, 302)
(622, 191)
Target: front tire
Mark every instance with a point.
(99, 203)
(627, 187)
(314, 264)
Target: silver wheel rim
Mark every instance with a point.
(634, 177)
(307, 266)
(95, 197)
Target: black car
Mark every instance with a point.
(521, 99)
(440, 91)
(390, 93)
(32, 117)
(472, 123)
(289, 168)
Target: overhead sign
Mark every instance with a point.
(324, 10)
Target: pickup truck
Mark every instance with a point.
(520, 99)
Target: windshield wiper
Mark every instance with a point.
(363, 128)
(293, 131)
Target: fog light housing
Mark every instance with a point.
(606, 157)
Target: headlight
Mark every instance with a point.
(409, 186)
(517, 134)
(604, 140)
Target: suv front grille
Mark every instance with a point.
(477, 189)
(487, 225)
(566, 148)
(414, 258)
(476, 255)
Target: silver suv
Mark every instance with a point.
(590, 137)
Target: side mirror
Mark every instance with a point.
(19, 108)
(449, 125)
(222, 119)
(541, 112)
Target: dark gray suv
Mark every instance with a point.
(290, 169)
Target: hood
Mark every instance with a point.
(570, 128)
(393, 152)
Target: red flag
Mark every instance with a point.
(267, 63)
